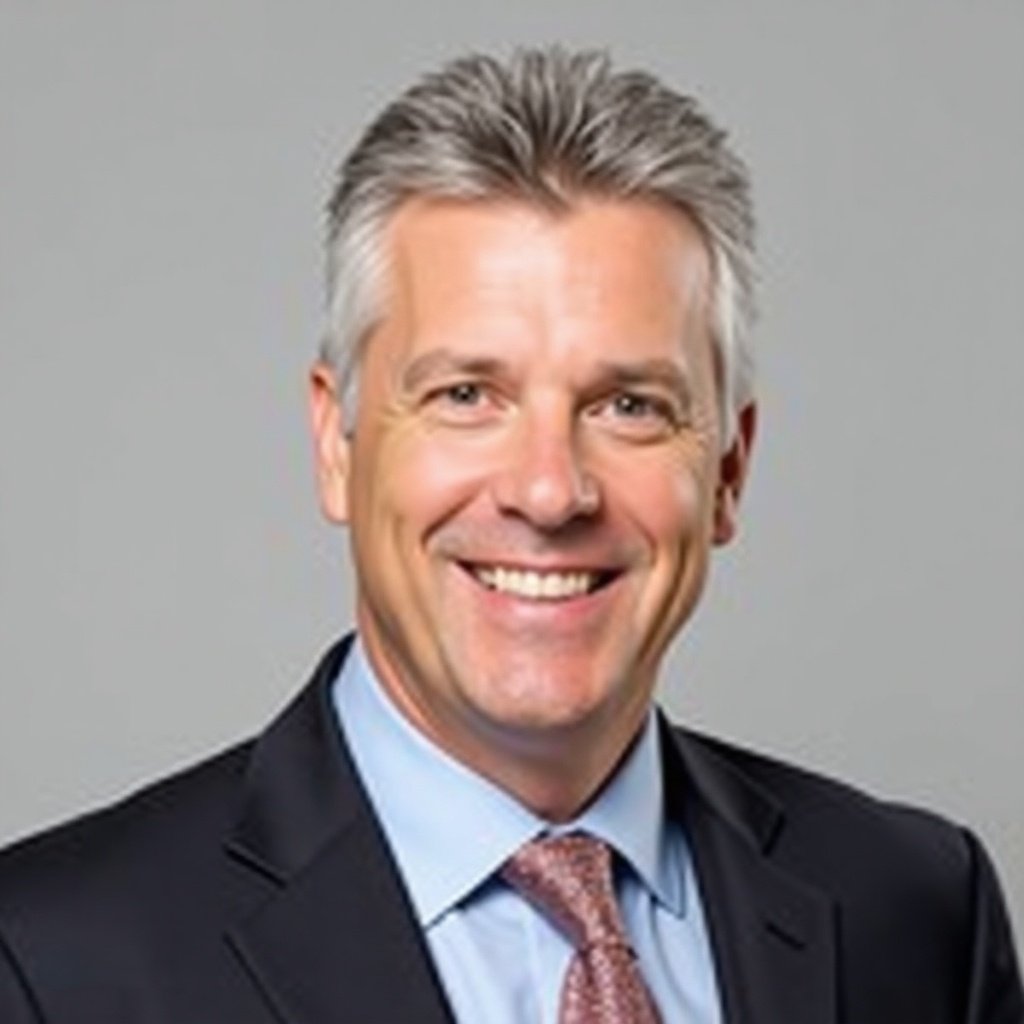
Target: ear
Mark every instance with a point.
(331, 448)
(732, 475)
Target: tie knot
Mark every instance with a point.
(569, 880)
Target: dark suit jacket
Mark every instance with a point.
(258, 888)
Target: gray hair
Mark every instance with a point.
(545, 126)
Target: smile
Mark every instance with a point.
(538, 586)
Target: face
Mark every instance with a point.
(536, 475)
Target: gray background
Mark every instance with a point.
(164, 580)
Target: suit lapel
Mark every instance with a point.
(773, 936)
(336, 940)
(339, 943)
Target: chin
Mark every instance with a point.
(540, 698)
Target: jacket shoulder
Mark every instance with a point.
(167, 828)
(818, 806)
(916, 894)
(872, 854)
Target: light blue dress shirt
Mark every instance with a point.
(450, 830)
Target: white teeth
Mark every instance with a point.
(546, 586)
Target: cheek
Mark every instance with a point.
(417, 483)
(668, 503)
(673, 513)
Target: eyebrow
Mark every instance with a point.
(441, 361)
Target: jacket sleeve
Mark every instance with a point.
(16, 1003)
(995, 995)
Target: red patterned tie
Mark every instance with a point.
(569, 880)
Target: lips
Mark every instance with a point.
(536, 584)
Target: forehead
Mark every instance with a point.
(599, 259)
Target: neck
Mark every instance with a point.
(555, 771)
(559, 781)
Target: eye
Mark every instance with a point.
(637, 415)
(464, 393)
(462, 403)
(635, 406)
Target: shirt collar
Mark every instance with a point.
(628, 814)
(450, 829)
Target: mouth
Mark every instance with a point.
(540, 585)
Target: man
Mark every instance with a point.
(534, 411)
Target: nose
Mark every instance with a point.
(544, 480)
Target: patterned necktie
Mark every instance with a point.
(569, 880)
